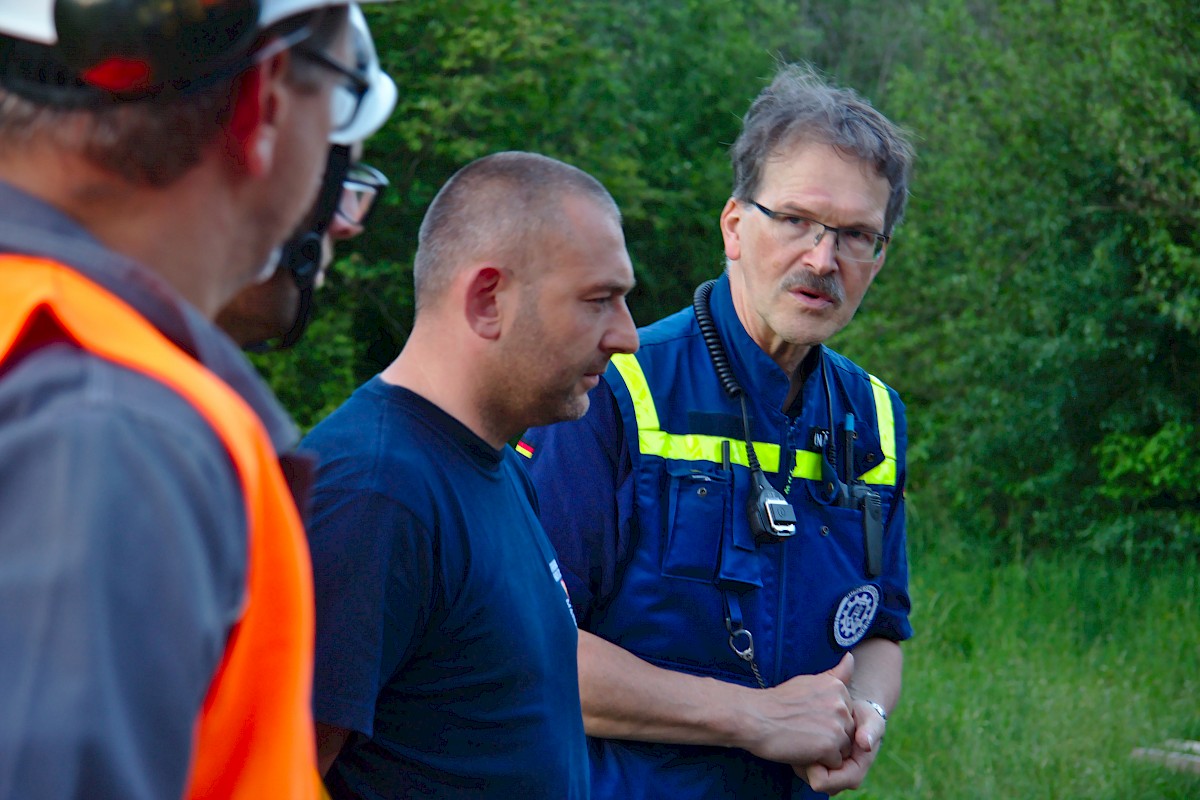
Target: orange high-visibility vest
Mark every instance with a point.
(254, 733)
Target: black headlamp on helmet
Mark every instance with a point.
(83, 52)
(80, 53)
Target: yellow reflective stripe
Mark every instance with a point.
(700, 447)
(808, 465)
(653, 441)
(639, 391)
(885, 472)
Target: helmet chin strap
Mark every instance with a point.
(304, 264)
(302, 253)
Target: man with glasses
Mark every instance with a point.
(729, 515)
(157, 635)
(276, 312)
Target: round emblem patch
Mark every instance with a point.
(855, 614)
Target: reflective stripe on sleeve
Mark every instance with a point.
(885, 472)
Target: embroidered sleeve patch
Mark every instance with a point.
(855, 614)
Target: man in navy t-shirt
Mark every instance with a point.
(446, 645)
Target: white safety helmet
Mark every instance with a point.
(380, 99)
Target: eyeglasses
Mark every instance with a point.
(850, 243)
(347, 96)
(361, 190)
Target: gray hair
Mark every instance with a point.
(799, 107)
(154, 142)
(498, 207)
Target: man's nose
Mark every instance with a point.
(622, 336)
(821, 257)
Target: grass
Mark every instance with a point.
(1038, 679)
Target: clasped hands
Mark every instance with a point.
(814, 724)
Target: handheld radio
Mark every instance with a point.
(771, 516)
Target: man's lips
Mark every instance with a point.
(592, 376)
(597, 369)
(813, 299)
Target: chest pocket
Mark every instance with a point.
(703, 542)
(699, 503)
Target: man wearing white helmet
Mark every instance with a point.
(278, 309)
(154, 154)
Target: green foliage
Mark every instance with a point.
(1139, 469)
(1039, 308)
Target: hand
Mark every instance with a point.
(868, 737)
(807, 719)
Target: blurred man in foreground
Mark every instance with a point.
(153, 157)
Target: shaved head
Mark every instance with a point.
(495, 209)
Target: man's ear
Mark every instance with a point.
(731, 217)
(878, 265)
(481, 303)
(258, 101)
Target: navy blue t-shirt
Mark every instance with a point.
(445, 639)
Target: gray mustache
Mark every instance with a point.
(828, 285)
